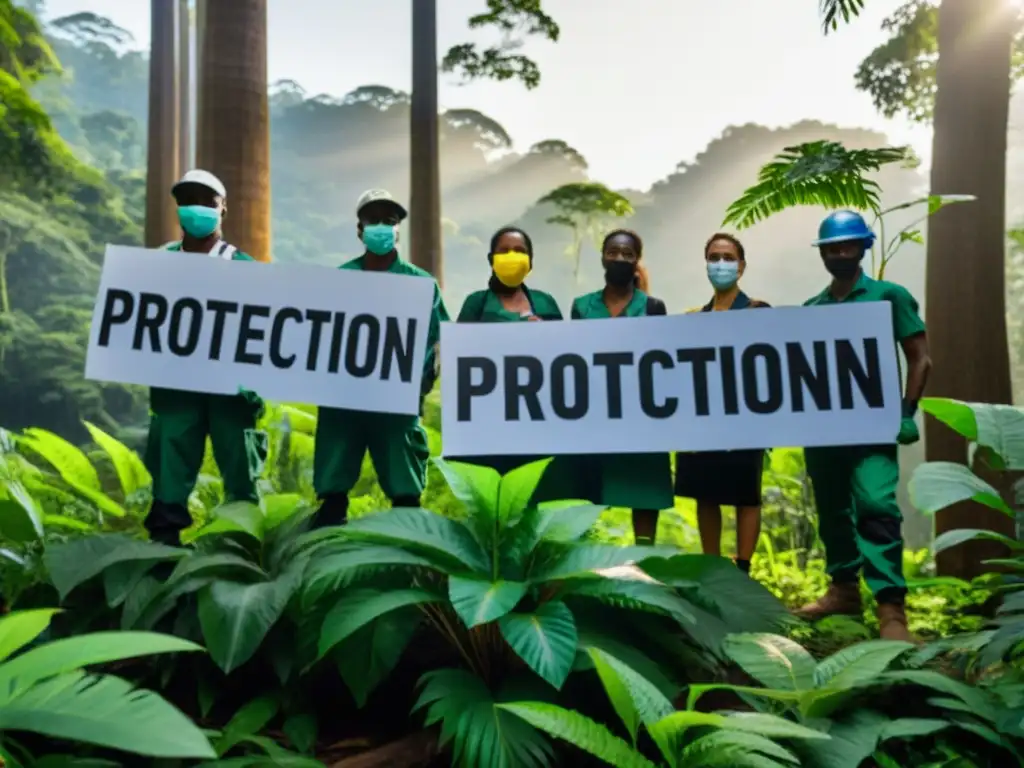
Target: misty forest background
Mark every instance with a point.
(326, 150)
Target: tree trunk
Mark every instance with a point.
(965, 269)
(424, 171)
(162, 146)
(234, 133)
(184, 86)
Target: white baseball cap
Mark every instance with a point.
(379, 196)
(203, 179)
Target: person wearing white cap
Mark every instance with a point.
(181, 421)
(397, 443)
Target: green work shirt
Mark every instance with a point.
(591, 306)
(438, 314)
(221, 250)
(486, 307)
(636, 480)
(906, 321)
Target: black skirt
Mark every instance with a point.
(732, 478)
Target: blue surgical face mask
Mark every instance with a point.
(199, 221)
(379, 238)
(723, 274)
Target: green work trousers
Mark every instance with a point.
(178, 428)
(396, 442)
(858, 517)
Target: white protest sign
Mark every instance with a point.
(296, 333)
(792, 376)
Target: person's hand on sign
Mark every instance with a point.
(252, 399)
(909, 433)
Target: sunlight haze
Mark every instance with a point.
(670, 75)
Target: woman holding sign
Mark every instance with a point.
(642, 482)
(724, 478)
(507, 300)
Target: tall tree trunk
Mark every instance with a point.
(965, 269)
(424, 171)
(162, 146)
(234, 132)
(184, 86)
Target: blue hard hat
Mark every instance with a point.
(844, 226)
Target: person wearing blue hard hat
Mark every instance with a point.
(855, 486)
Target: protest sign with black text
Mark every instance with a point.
(792, 376)
(295, 333)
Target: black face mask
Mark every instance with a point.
(619, 273)
(842, 269)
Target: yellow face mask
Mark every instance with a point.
(511, 268)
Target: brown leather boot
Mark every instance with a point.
(840, 600)
(892, 622)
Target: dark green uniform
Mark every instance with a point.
(635, 480)
(396, 442)
(178, 427)
(855, 486)
(486, 307)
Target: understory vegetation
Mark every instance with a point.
(478, 631)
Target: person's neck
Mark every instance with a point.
(842, 287)
(619, 291)
(199, 244)
(375, 261)
(500, 289)
(724, 298)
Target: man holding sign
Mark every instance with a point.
(396, 442)
(181, 421)
(855, 486)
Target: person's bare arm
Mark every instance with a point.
(919, 365)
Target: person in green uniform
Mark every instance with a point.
(724, 478)
(855, 486)
(181, 421)
(397, 442)
(642, 482)
(507, 299)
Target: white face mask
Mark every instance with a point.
(723, 274)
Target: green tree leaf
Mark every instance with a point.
(74, 562)
(636, 700)
(359, 607)
(131, 471)
(235, 617)
(936, 485)
(772, 660)
(545, 639)
(19, 628)
(479, 601)
(367, 656)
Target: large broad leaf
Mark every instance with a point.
(634, 595)
(566, 561)
(235, 617)
(474, 485)
(713, 582)
(772, 660)
(772, 726)
(516, 489)
(580, 731)
(445, 541)
(104, 711)
(936, 485)
(71, 653)
(852, 740)
(859, 663)
(955, 414)
(360, 607)
(479, 731)
(545, 639)
(567, 524)
(735, 749)
(21, 628)
(636, 700)
(74, 562)
(369, 655)
(954, 538)
(1000, 428)
(21, 519)
(248, 721)
(236, 517)
(73, 466)
(478, 601)
(340, 566)
(130, 469)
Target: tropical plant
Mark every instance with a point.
(825, 173)
(44, 690)
(875, 701)
(997, 434)
(728, 739)
(832, 10)
(585, 208)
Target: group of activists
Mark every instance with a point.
(855, 486)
